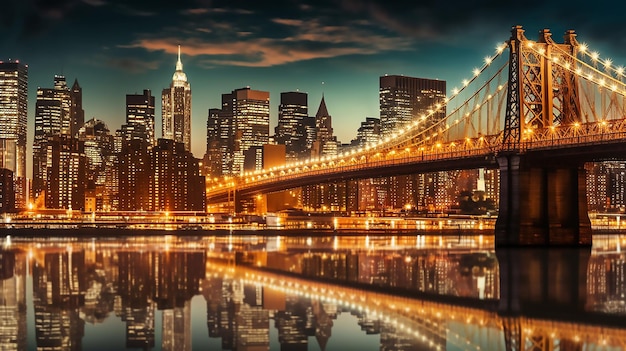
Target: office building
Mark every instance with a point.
(176, 108)
(65, 173)
(242, 123)
(402, 100)
(140, 117)
(13, 124)
(98, 143)
(291, 131)
(7, 191)
(55, 111)
(77, 114)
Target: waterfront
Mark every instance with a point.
(309, 293)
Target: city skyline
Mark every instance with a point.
(277, 48)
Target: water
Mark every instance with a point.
(309, 293)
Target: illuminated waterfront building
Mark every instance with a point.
(13, 125)
(175, 180)
(291, 130)
(65, 173)
(176, 108)
(368, 133)
(134, 176)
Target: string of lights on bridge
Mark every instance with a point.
(402, 132)
(429, 134)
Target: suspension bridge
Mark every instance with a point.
(537, 114)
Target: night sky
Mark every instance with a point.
(339, 48)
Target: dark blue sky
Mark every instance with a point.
(116, 48)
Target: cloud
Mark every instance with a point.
(196, 11)
(131, 65)
(96, 3)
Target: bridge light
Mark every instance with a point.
(576, 125)
(607, 63)
(613, 87)
(530, 44)
(582, 47)
(542, 51)
(438, 145)
(555, 59)
(455, 91)
(595, 55)
(465, 82)
(567, 65)
(579, 71)
(500, 87)
(476, 71)
(488, 60)
(620, 70)
(501, 48)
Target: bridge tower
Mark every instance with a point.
(542, 202)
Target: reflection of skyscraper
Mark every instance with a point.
(252, 321)
(176, 108)
(58, 293)
(12, 300)
(177, 328)
(292, 325)
(13, 124)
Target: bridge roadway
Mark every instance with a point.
(582, 143)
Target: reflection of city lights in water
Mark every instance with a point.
(393, 241)
(335, 243)
(367, 241)
(309, 241)
(7, 241)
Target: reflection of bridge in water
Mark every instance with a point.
(538, 115)
(566, 299)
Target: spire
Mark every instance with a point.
(179, 64)
(322, 111)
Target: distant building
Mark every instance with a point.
(368, 133)
(213, 160)
(325, 143)
(77, 114)
(101, 162)
(134, 169)
(65, 173)
(56, 113)
(242, 123)
(291, 129)
(13, 124)
(402, 100)
(7, 192)
(176, 108)
(140, 117)
(163, 178)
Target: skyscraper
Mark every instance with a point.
(242, 123)
(325, 143)
(176, 108)
(404, 98)
(140, 117)
(13, 124)
(77, 114)
(65, 173)
(57, 111)
(291, 131)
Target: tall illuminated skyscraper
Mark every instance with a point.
(13, 122)
(290, 131)
(325, 143)
(242, 123)
(404, 98)
(140, 117)
(176, 108)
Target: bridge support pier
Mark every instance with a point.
(541, 204)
